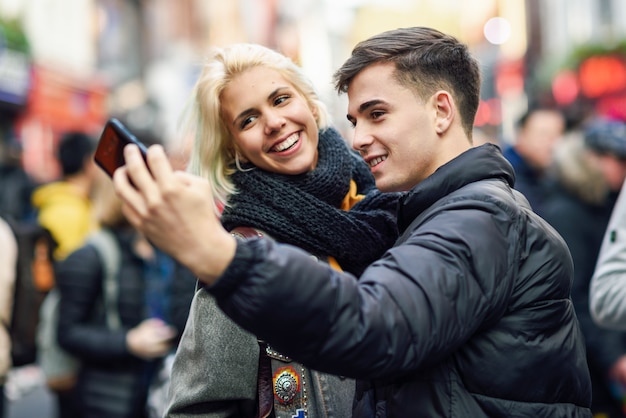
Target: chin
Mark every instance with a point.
(297, 170)
(302, 166)
(387, 187)
(384, 187)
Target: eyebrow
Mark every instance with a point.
(251, 110)
(371, 103)
(364, 106)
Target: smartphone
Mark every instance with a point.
(110, 151)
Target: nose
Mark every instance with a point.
(361, 141)
(274, 121)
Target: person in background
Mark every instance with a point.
(64, 206)
(117, 366)
(8, 262)
(589, 170)
(16, 185)
(539, 129)
(468, 315)
(607, 292)
(278, 168)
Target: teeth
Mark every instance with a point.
(287, 143)
(377, 160)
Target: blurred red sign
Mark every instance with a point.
(602, 75)
(57, 103)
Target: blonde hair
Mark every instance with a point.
(213, 153)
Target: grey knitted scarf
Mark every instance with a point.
(303, 210)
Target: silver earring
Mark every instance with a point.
(238, 164)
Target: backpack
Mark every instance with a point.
(59, 367)
(34, 277)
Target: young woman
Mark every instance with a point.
(277, 168)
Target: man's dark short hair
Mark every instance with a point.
(425, 60)
(74, 148)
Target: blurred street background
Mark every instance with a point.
(72, 64)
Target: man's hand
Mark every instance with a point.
(174, 210)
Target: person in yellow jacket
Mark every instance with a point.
(64, 206)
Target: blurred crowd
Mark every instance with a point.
(572, 174)
(118, 365)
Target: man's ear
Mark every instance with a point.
(446, 111)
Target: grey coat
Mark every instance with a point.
(215, 371)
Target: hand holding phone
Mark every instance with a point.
(110, 151)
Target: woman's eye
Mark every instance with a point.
(247, 121)
(280, 99)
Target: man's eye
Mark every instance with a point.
(377, 113)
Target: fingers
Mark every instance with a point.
(186, 178)
(142, 186)
(160, 166)
(139, 173)
(158, 200)
(134, 204)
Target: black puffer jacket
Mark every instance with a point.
(469, 317)
(112, 381)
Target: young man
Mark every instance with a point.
(468, 315)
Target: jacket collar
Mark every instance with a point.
(479, 163)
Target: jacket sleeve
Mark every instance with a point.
(413, 306)
(607, 293)
(79, 278)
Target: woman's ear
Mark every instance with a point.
(445, 111)
(237, 155)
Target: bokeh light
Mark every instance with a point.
(497, 30)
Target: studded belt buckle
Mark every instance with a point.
(276, 355)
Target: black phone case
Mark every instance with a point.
(109, 154)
